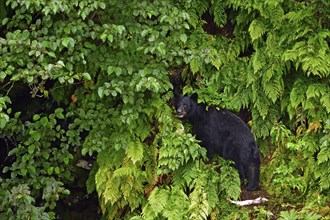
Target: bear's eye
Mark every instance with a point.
(185, 105)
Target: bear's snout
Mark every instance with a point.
(181, 113)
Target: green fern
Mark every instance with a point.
(218, 11)
(325, 101)
(323, 160)
(169, 203)
(273, 87)
(199, 207)
(257, 29)
(195, 65)
(158, 200)
(200, 6)
(135, 151)
(185, 175)
(230, 182)
(297, 95)
(259, 60)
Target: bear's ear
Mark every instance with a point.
(177, 95)
(194, 97)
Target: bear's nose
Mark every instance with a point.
(180, 113)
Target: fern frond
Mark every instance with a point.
(128, 171)
(322, 171)
(259, 60)
(219, 13)
(230, 181)
(158, 199)
(185, 175)
(112, 191)
(101, 177)
(273, 87)
(297, 94)
(298, 15)
(199, 206)
(315, 90)
(257, 29)
(261, 102)
(195, 65)
(135, 151)
(316, 65)
(325, 101)
(324, 155)
(90, 183)
(200, 6)
(178, 207)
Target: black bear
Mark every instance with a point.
(223, 133)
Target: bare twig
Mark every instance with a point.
(10, 88)
(256, 201)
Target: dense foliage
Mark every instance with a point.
(92, 79)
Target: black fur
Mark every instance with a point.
(223, 133)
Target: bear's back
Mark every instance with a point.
(227, 120)
(221, 128)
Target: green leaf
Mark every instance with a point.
(66, 160)
(66, 192)
(2, 75)
(25, 35)
(61, 63)
(23, 172)
(3, 120)
(110, 38)
(45, 43)
(102, 5)
(156, 196)
(71, 80)
(36, 117)
(84, 151)
(111, 69)
(51, 54)
(183, 38)
(325, 101)
(25, 157)
(32, 170)
(118, 71)
(67, 30)
(45, 154)
(100, 92)
(68, 41)
(5, 21)
(31, 149)
(44, 121)
(59, 113)
(17, 114)
(194, 65)
(36, 136)
(256, 29)
(30, 79)
(103, 36)
(65, 42)
(135, 151)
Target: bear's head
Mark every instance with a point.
(185, 107)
